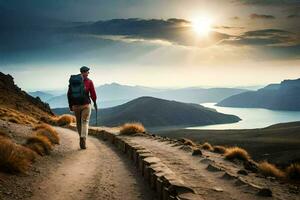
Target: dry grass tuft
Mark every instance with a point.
(12, 157)
(39, 144)
(207, 146)
(132, 128)
(37, 148)
(48, 131)
(237, 153)
(52, 135)
(3, 135)
(293, 171)
(42, 126)
(188, 142)
(15, 120)
(65, 119)
(219, 149)
(268, 169)
(49, 120)
(27, 153)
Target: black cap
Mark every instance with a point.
(84, 69)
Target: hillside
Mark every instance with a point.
(154, 112)
(116, 94)
(283, 96)
(278, 143)
(18, 101)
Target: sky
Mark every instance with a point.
(156, 43)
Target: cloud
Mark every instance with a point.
(266, 37)
(235, 18)
(45, 39)
(261, 16)
(268, 2)
(269, 43)
(293, 16)
(229, 27)
(175, 31)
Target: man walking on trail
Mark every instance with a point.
(81, 89)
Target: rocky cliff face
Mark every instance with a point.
(11, 96)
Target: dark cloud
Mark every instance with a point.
(261, 16)
(24, 33)
(176, 31)
(25, 37)
(293, 16)
(235, 18)
(269, 2)
(229, 27)
(266, 37)
(269, 44)
(66, 9)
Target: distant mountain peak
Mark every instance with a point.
(115, 83)
(283, 96)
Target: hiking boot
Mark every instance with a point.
(82, 143)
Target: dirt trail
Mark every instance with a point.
(99, 172)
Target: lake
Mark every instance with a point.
(251, 117)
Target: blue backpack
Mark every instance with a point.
(76, 86)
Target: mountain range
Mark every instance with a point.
(114, 94)
(42, 95)
(283, 96)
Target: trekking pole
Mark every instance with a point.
(96, 109)
(96, 117)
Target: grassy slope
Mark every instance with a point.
(12, 97)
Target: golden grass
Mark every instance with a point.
(237, 153)
(219, 149)
(27, 153)
(293, 171)
(268, 169)
(12, 157)
(65, 119)
(37, 148)
(51, 135)
(14, 120)
(207, 146)
(188, 142)
(62, 120)
(42, 126)
(49, 120)
(48, 131)
(40, 144)
(14, 116)
(132, 128)
(3, 135)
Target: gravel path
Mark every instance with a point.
(99, 172)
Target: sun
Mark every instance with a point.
(202, 26)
